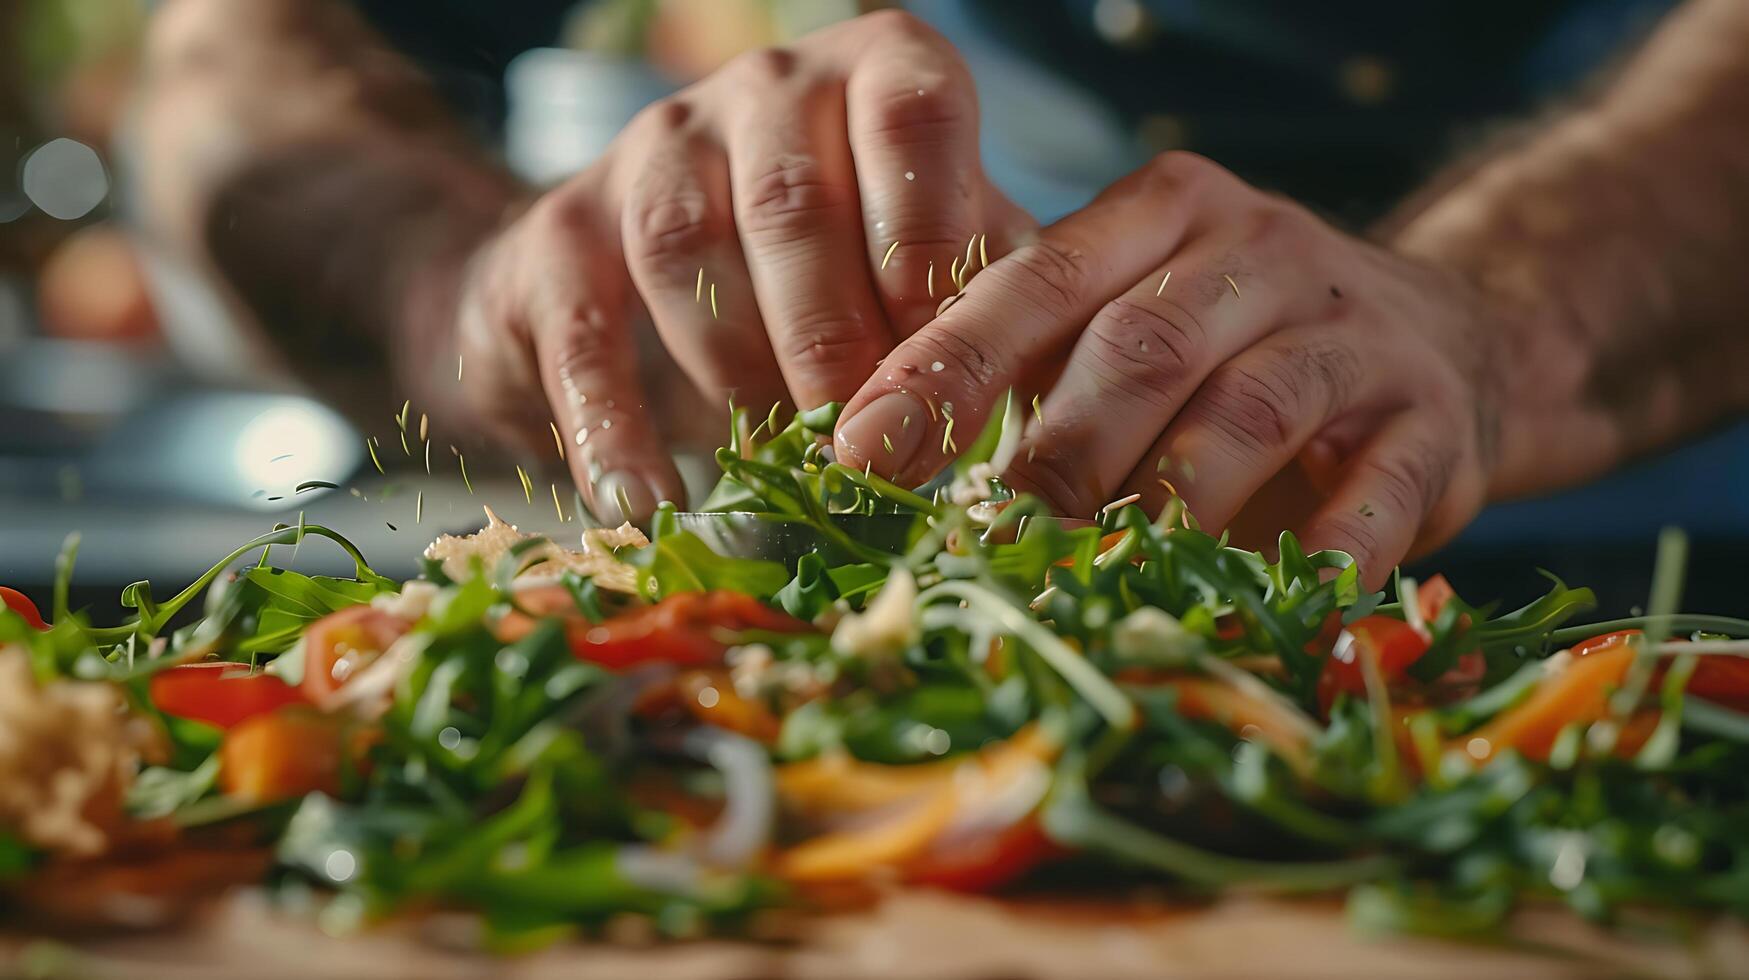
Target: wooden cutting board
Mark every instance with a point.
(917, 935)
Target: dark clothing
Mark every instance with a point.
(1344, 104)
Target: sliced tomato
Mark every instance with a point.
(1718, 678)
(988, 862)
(1393, 644)
(281, 755)
(20, 603)
(1431, 597)
(339, 645)
(689, 629)
(220, 694)
(1603, 642)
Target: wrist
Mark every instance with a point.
(1538, 366)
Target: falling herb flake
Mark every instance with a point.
(966, 265)
(371, 444)
(282, 457)
(889, 256)
(930, 280)
(953, 271)
(887, 442)
(713, 301)
(1163, 281)
(424, 427)
(308, 485)
(698, 290)
(463, 462)
(405, 450)
(428, 457)
(560, 510)
(1365, 509)
(419, 507)
(558, 441)
(527, 487)
(1038, 410)
(458, 367)
(275, 498)
(1233, 284)
(392, 527)
(983, 255)
(947, 443)
(905, 423)
(401, 419)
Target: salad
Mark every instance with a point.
(554, 738)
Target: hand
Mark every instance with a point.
(752, 218)
(1276, 339)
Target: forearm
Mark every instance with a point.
(1613, 244)
(314, 171)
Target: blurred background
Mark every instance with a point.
(137, 410)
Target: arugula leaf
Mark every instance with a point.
(681, 562)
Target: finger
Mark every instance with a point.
(588, 365)
(1140, 360)
(1250, 419)
(678, 232)
(800, 222)
(913, 117)
(1025, 310)
(1399, 483)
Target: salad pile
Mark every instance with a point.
(554, 739)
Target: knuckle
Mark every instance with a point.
(766, 66)
(1355, 534)
(664, 117)
(1412, 479)
(1062, 479)
(1182, 172)
(1141, 350)
(579, 340)
(1257, 410)
(911, 110)
(670, 227)
(824, 347)
(563, 213)
(972, 358)
(1050, 275)
(791, 198)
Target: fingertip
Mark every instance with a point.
(886, 433)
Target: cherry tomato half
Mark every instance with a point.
(20, 603)
(1393, 643)
(688, 629)
(988, 862)
(1716, 678)
(339, 645)
(220, 694)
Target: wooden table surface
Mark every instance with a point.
(918, 935)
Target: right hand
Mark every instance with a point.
(784, 179)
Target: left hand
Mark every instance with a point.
(1277, 339)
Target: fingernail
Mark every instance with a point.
(622, 496)
(881, 434)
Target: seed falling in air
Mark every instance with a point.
(698, 290)
(1163, 280)
(370, 444)
(887, 442)
(930, 281)
(713, 301)
(558, 441)
(1233, 284)
(889, 256)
